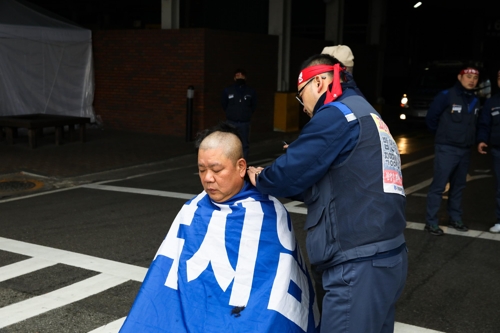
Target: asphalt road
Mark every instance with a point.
(72, 259)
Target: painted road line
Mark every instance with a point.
(409, 164)
(405, 328)
(126, 271)
(35, 306)
(23, 267)
(292, 207)
(101, 182)
(38, 194)
(175, 195)
(425, 183)
(452, 231)
(112, 327)
(409, 190)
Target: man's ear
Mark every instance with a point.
(242, 167)
(320, 84)
(459, 76)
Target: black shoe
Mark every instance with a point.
(434, 230)
(459, 225)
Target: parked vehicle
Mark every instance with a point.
(433, 78)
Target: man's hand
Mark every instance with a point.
(481, 148)
(253, 173)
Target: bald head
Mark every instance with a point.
(229, 143)
(221, 165)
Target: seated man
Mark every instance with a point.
(230, 262)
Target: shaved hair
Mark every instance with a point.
(223, 136)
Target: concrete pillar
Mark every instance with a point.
(280, 12)
(334, 23)
(375, 21)
(170, 14)
(375, 37)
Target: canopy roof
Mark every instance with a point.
(45, 63)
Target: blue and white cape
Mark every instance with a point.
(230, 267)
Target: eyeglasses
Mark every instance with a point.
(297, 96)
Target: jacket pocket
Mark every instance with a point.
(456, 132)
(388, 262)
(319, 239)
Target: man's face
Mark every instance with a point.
(239, 76)
(468, 81)
(221, 179)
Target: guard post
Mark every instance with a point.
(189, 113)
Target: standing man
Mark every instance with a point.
(488, 135)
(452, 119)
(239, 102)
(346, 167)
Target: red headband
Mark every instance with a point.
(311, 71)
(469, 71)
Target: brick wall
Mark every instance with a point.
(142, 76)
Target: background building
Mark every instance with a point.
(148, 52)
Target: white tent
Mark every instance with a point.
(45, 63)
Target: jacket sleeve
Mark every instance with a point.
(438, 105)
(484, 123)
(323, 140)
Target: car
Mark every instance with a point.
(433, 78)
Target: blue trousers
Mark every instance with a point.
(244, 131)
(361, 296)
(495, 153)
(450, 164)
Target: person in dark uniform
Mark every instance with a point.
(488, 135)
(346, 167)
(452, 119)
(239, 102)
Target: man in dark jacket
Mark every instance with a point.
(488, 135)
(452, 118)
(345, 165)
(239, 102)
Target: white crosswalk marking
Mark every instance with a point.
(29, 308)
(23, 267)
(109, 267)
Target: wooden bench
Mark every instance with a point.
(37, 122)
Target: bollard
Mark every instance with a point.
(189, 113)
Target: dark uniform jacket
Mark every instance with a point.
(452, 117)
(239, 102)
